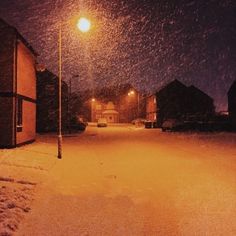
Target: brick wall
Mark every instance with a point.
(26, 86)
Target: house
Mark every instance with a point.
(111, 115)
(177, 101)
(171, 101)
(232, 105)
(129, 103)
(17, 88)
(125, 97)
(200, 104)
(104, 110)
(47, 102)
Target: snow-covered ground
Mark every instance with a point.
(123, 180)
(21, 170)
(15, 202)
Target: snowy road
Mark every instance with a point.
(123, 181)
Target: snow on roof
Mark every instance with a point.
(110, 112)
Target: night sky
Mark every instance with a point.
(147, 43)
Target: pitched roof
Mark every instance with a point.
(232, 88)
(19, 36)
(47, 75)
(174, 83)
(194, 89)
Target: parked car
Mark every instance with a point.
(172, 125)
(138, 121)
(78, 124)
(102, 122)
(83, 120)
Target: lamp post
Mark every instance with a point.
(84, 26)
(59, 151)
(131, 94)
(93, 100)
(138, 99)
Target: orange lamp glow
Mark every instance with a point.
(84, 24)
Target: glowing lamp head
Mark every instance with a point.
(131, 93)
(93, 100)
(84, 24)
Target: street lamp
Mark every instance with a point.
(84, 26)
(93, 100)
(132, 93)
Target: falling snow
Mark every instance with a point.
(146, 43)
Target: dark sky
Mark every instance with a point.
(147, 43)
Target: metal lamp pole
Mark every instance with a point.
(138, 98)
(59, 153)
(84, 26)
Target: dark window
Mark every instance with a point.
(19, 114)
(50, 88)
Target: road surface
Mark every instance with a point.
(127, 181)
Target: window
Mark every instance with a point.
(49, 88)
(155, 116)
(99, 107)
(19, 114)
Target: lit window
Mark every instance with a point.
(99, 107)
(154, 100)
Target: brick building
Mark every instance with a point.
(17, 88)
(104, 110)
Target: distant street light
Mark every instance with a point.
(84, 26)
(132, 93)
